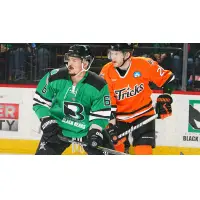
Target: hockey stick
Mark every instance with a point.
(65, 139)
(133, 128)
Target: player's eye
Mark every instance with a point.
(75, 60)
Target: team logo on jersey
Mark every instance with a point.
(137, 74)
(129, 92)
(74, 110)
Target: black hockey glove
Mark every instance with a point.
(163, 106)
(118, 134)
(113, 133)
(50, 129)
(95, 138)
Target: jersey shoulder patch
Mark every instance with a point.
(94, 80)
(58, 74)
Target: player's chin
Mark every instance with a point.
(71, 73)
(116, 65)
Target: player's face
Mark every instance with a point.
(74, 65)
(117, 58)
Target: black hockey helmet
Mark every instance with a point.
(79, 51)
(124, 47)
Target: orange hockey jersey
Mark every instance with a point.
(131, 94)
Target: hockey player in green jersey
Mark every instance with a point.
(74, 102)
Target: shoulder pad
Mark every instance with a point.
(58, 74)
(94, 80)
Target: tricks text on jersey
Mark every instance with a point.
(128, 92)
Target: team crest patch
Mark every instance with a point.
(54, 71)
(137, 74)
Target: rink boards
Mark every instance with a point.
(19, 126)
(11, 146)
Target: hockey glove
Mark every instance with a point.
(50, 129)
(163, 106)
(112, 131)
(95, 138)
(115, 134)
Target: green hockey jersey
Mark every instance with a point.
(76, 108)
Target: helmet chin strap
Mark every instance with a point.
(83, 70)
(124, 60)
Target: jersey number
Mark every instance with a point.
(73, 110)
(107, 100)
(161, 70)
(44, 90)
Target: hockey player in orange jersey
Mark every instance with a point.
(128, 78)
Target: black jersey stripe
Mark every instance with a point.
(135, 111)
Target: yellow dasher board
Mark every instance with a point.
(17, 146)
